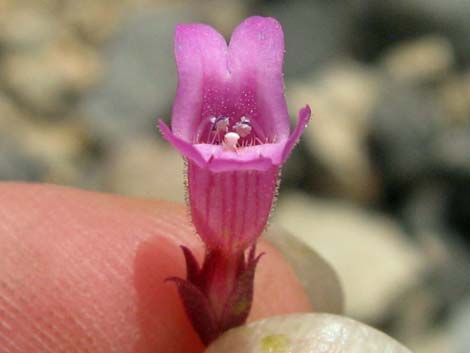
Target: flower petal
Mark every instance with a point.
(302, 122)
(260, 157)
(201, 58)
(214, 158)
(224, 165)
(185, 148)
(255, 60)
(230, 209)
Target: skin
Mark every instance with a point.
(306, 333)
(85, 272)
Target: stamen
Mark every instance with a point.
(220, 124)
(230, 141)
(243, 127)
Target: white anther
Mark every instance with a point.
(219, 124)
(243, 127)
(230, 141)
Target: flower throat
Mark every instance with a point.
(242, 133)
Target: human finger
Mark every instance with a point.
(305, 333)
(82, 271)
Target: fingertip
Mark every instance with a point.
(277, 289)
(305, 333)
(88, 270)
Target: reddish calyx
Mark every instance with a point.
(217, 295)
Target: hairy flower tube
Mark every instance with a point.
(230, 122)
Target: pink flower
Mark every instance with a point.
(230, 122)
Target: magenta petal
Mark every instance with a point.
(215, 159)
(201, 58)
(230, 122)
(256, 53)
(230, 209)
(302, 122)
(261, 157)
(226, 165)
(185, 148)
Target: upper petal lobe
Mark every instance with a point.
(256, 54)
(201, 58)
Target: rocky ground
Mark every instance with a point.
(380, 184)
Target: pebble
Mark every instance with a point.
(139, 81)
(390, 21)
(374, 259)
(319, 29)
(404, 124)
(38, 150)
(460, 323)
(50, 79)
(423, 60)
(451, 151)
(341, 99)
(454, 95)
(93, 20)
(145, 168)
(27, 29)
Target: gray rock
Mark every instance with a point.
(403, 127)
(374, 260)
(447, 278)
(426, 206)
(423, 60)
(430, 9)
(454, 94)
(408, 18)
(436, 340)
(225, 15)
(422, 135)
(39, 151)
(341, 98)
(315, 32)
(16, 164)
(451, 17)
(451, 151)
(49, 79)
(427, 215)
(139, 82)
(94, 20)
(145, 168)
(460, 327)
(27, 28)
(451, 148)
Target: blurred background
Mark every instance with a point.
(379, 185)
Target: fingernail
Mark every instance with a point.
(306, 333)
